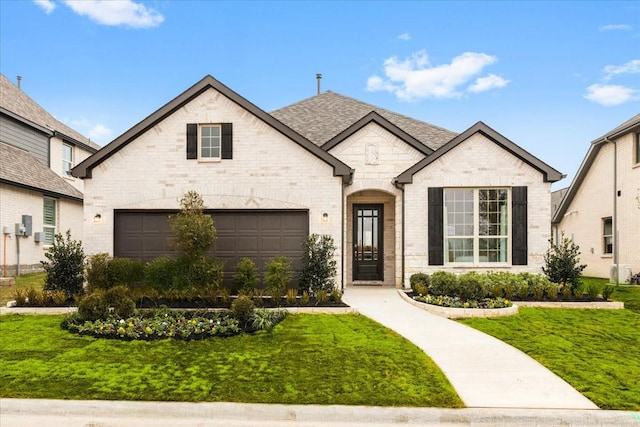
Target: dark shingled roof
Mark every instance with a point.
(556, 199)
(19, 103)
(18, 167)
(322, 117)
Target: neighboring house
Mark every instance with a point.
(397, 195)
(556, 199)
(37, 153)
(601, 211)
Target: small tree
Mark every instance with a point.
(318, 265)
(65, 268)
(246, 277)
(194, 230)
(562, 263)
(277, 276)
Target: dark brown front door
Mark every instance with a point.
(367, 242)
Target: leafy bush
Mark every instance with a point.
(335, 296)
(552, 291)
(242, 310)
(562, 263)
(246, 277)
(318, 264)
(199, 272)
(118, 299)
(443, 283)
(98, 272)
(159, 274)
(419, 279)
(93, 307)
(472, 286)
(65, 268)
(420, 288)
(125, 271)
(277, 276)
(593, 290)
(522, 289)
(607, 290)
(263, 319)
(566, 291)
(194, 230)
(20, 297)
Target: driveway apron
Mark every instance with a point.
(486, 372)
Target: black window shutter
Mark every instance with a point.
(519, 226)
(436, 226)
(227, 141)
(192, 141)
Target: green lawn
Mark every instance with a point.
(24, 281)
(596, 351)
(321, 359)
(629, 294)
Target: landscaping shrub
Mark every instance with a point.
(318, 264)
(98, 272)
(20, 297)
(522, 289)
(34, 297)
(593, 290)
(263, 319)
(552, 291)
(118, 299)
(305, 298)
(292, 296)
(420, 289)
(335, 296)
(199, 272)
(471, 286)
(159, 273)
(322, 297)
(443, 283)
(607, 290)
(417, 279)
(124, 271)
(566, 291)
(194, 230)
(246, 277)
(277, 276)
(65, 268)
(93, 307)
(562, 263)
(242, 310)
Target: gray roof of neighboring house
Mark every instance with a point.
(322, 117)
(15, 102)
(556, 199)
(631, 125)
(19, 168)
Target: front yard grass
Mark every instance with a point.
(24, 281)
(596, 351)
(306, 359)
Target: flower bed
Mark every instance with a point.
(456, 302)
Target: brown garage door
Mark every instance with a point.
(259, 235)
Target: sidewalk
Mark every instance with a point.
(486, 372)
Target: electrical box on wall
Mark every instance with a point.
(20, 230)
(38, 236)
(27, 221)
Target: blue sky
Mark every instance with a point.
(550, 76)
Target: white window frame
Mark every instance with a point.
(202, 158)
(476, 236)
(606, 236)
(49, 229)
(67, 163)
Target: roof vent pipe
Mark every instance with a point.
(319, 77)
(19, 82)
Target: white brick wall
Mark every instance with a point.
(476, 163)
(594, 201)
(268, 171)
(15, 202)
(55, 161)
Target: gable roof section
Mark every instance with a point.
(374, 117)
(18, 105)
(322, 117)
(19, 168)
(631, 125)
(83, 170)
(550, 174)
(556, 199)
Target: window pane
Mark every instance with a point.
(460, 250)
(493, 250)
(49, 212)
(210, 142)
(608, 226)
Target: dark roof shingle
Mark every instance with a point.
(323, 116)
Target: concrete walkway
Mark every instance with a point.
(486, 372)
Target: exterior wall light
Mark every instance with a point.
(97, 219)
(325, 217)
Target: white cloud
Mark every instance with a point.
(100, 133)
(615, 27)
(610, 95)
(46, 5)
(416, 78)
(117, 12)
(404, 36)
(631, 67)
(483, 84)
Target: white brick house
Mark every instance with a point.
(397, 195)
(37, 153)
(601, 210)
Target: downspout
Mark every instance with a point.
(401, 188)
(616, 259)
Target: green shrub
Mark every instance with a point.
(322, 297)
(522, 289)
(443, 283)
(318, 264)
(263, 319)
(593, 290)
(194, 230)
(199, 272)
(56, 298)
(125, 271)
(33, 296)
(224, 297)
(420, 288)
(159, 274)
(566, 291)
(256, 297)
(277, 276)
(472, 286)
(578, 291)
(93, 307)
(242, 310)
(552, 291)
(335, 296)
(305, 298)
(246, 277)
(118, 299)
(419, 279)
(292, 296)
(20, 297)
(607, 290)
(98, 272)
(537, 291)
(65, 266)
(562, 262)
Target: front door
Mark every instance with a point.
(367, 242)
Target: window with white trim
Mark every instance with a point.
(476, 225)
(67, 159)
(209, 141)
(607, 236)
(49, 221)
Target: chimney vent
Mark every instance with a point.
(19, 82)
(319, 77)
